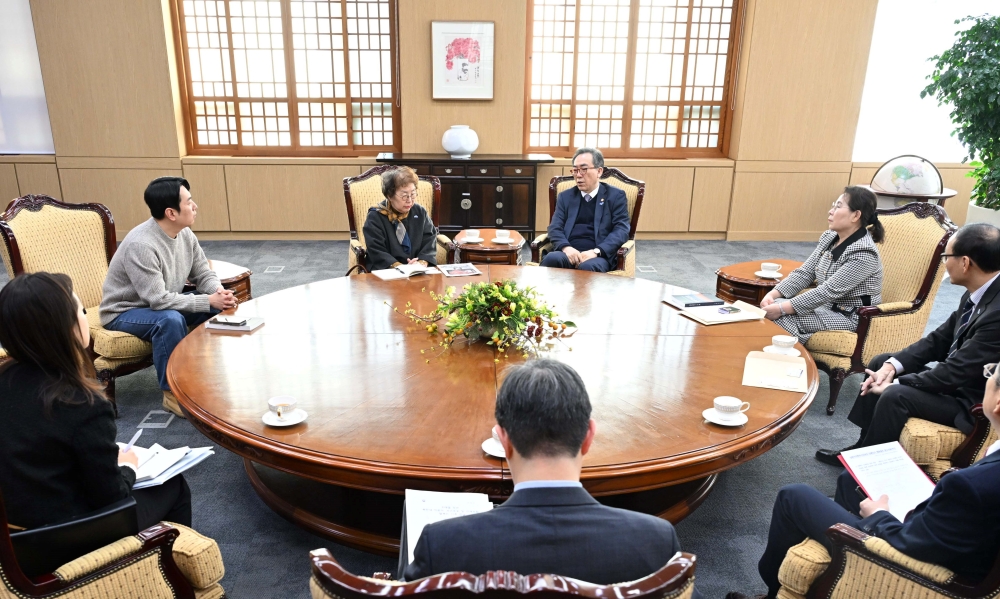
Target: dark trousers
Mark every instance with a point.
(882, 417)
(170, 502)
(802, 512)
(559, 259)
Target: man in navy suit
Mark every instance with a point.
(550, 524)
(958, 527)
(591, 220)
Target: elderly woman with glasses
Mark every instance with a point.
(398, 230)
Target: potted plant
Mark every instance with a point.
(967, 76)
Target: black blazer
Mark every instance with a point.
(53, 469)
(958, 527)
(560, 531)
(611, 224)
(384, 249)
(961, 375)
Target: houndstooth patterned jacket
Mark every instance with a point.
(846, 277)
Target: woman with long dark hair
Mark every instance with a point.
(845, 267)
(57, 433)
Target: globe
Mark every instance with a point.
(908, 175)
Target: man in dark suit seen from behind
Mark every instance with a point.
(902, 385)
(591, 221)
(550, 524)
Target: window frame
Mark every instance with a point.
(185, 85)
(728, 96)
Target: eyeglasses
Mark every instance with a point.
(946, 256)
(581, 170)
(406, 196)
(988, 370)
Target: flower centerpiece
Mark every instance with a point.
(508, 316)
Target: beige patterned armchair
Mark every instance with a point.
(365, 191)
(915, 236)
(938, 448)
(634, 190)
(43, 234)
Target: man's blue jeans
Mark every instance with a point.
(164, 328)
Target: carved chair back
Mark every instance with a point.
(633, 188)
(41, 233)
(915, 236)
(675, 580)
(365, 191)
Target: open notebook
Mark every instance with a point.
(158, 464)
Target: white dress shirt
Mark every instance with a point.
(547, 484)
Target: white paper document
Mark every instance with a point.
(709, 315)
(252, 324)
(428, 507)
(886, 469)
(404, 271)
(775, 371)
(158, 464)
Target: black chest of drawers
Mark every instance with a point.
(485, 191)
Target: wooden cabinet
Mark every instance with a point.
(485, 191)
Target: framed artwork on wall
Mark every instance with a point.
(462, 55)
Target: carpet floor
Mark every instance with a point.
(267, 557)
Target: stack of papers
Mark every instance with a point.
(886, 469)
(252, 324)
(775, 371)
(428, 507)
(158, 464)
(404, 271)
(709, 315)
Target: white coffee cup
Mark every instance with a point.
(472, 233)
(282, 405)
(770, 266)
(728, 408)
(503, 234)
(784, 341)
(496, 435)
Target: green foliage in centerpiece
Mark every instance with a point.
(506, 315)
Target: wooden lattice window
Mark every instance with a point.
(637, 78)
(289, 77)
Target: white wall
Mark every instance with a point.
(24, 118)
(894, 120)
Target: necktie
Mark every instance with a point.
(963, 322)
(586, 197)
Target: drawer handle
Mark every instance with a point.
(482, 171)
(499, 187)
(499, 221)
(447, 170)
(467, 193)
(466, 204)
(499, 204)
(517, 170)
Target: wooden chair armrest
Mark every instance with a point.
(445, 242)
(966, 453)
(623, 253)
(536, 246)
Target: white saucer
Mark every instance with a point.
(503, 240)
(472, 240)
(297, 416)
(764, 274)
(712, 416)
(492, 447)
(785, 351)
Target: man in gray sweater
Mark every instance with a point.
(143, 290)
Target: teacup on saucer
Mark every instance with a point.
(292, 418)
(784, 351)
(716, 417)
(768, 274)
(493, 447)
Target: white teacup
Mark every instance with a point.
(770, 266)
(472, 233)
(282, 405)
(728, 408)
(496, 436)
(503, 234)
(783, 341)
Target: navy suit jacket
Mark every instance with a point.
(611, 223)
(958, 527)
(559, 530)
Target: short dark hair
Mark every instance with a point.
(981, 243)
(595, 154)
(164, 193)
(396, 178)
(544, 407)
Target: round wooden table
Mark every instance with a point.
(487, 251)
(385, 416)
(740, 282)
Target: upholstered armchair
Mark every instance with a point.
(365, 191)
(938, 448)
(329, 580)
(164, 561)
(915, 236)
(43, 234)
(624, 264)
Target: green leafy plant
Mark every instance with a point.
(507, 316)
(967, 76)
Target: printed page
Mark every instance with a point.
(775, 371)
(886, 469)
(141, 453)
(428, 507)
(192, 459)
(164, 458)
(709, 315)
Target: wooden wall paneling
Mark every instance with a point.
(107, 82)
(713, 188)
(38, 178)
(499, 122)
(738, 97)
(8, 184)
(208, 187)
(287, 198)
(958, 206)
(119, 189)
(544, 176)
(782, 206)
(861, 175)
(667, 203)
(804, 79)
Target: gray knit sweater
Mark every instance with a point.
(149, 271)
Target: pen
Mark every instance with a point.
(135, 438)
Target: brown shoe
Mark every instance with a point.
(170, 404)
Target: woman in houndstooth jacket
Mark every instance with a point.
(845, 266)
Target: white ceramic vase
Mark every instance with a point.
(978, 214)
(460, 141)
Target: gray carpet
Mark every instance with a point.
(267, 557)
